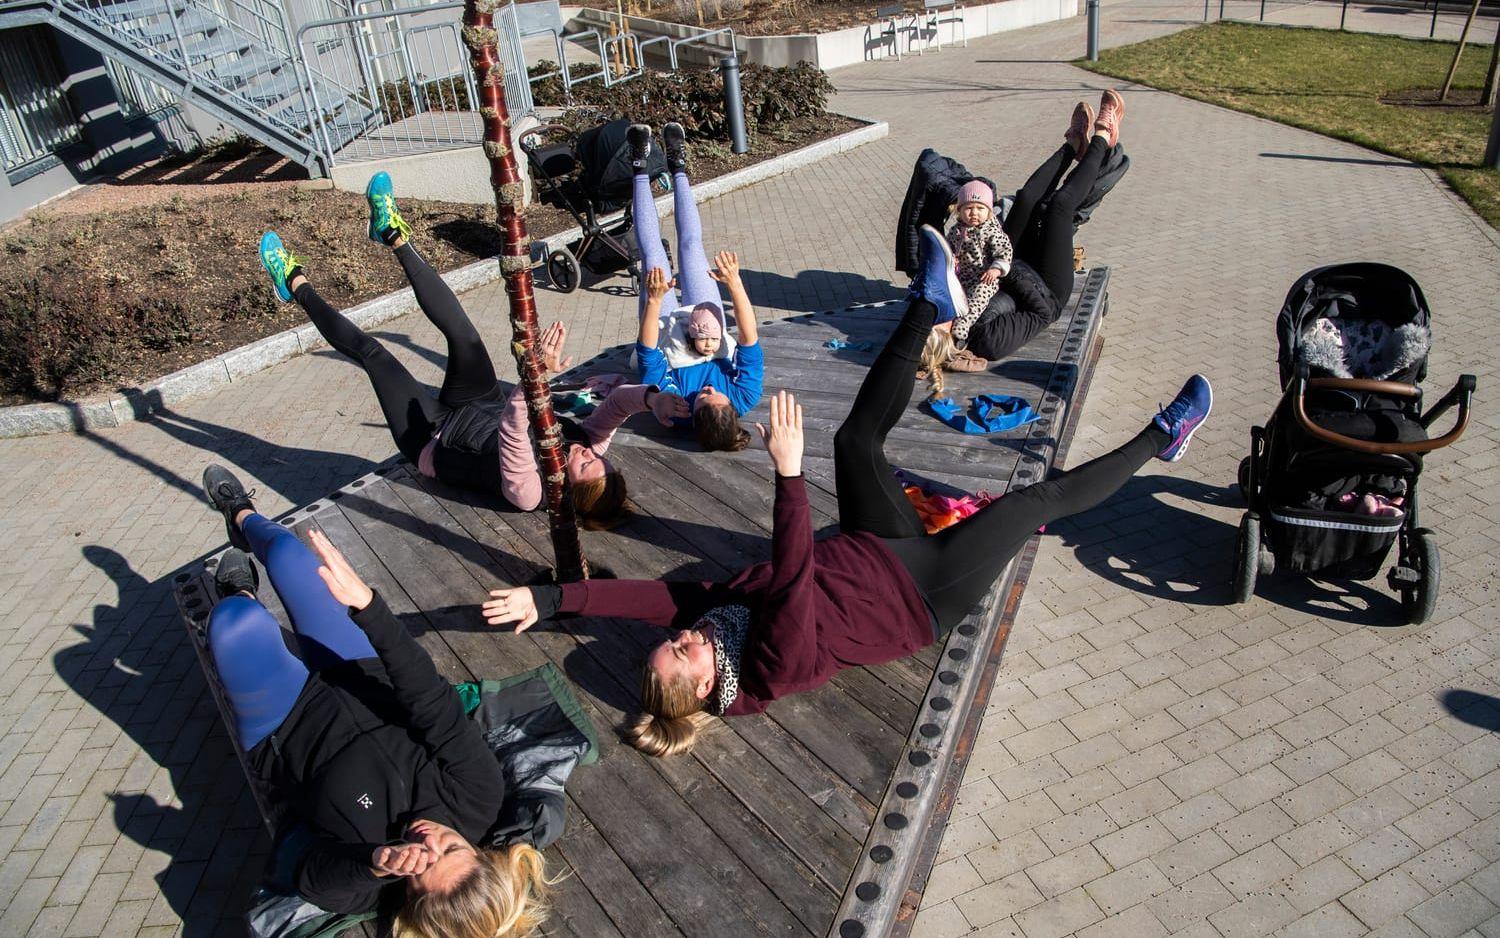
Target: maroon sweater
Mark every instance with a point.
(816, 607)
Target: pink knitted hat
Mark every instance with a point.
(976, 191)
(704, 323)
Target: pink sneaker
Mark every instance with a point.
(1078, 130)
(1111, 111)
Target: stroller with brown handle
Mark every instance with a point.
(1331, 480)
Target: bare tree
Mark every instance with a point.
(515, 265)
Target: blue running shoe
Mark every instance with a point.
(936, 280)
(280, 263)
(386, 223)
(1182, 418)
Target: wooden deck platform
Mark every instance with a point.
(819, 817)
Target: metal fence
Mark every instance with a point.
(411, 68)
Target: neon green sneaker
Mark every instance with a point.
(386, 223)
(280, 263)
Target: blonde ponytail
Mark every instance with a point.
(504, 896)
(936, 354)
(673, 714)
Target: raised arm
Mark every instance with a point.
(728, 273)
(433, 711)
(657, 285)
(655, 602)
(788, 633)
(520, 477)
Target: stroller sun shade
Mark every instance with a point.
(606, 175)
(1378, 293)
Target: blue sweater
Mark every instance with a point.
(740, 382)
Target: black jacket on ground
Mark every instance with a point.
(369, 747)
(936, 179)
(934, 186)
(1021, 308)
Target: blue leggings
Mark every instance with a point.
(260, 675)
(692, 274)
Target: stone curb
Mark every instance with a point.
(206, 377)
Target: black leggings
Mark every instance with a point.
(409, 407)
(1046, 240)
(955, 567)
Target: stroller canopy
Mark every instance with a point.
(605, 155)
(1367, 292)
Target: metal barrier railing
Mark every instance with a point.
(411, 67)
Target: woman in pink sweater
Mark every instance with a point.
(878, 590)
(472, 433)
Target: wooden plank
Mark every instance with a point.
(793, 882)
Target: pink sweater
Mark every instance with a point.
(520, 477)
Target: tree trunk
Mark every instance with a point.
(515, 265)
(1458, 53)
(1487, 97)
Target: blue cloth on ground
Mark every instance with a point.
(841, 345)
(988, 413)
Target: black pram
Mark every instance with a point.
(588, 176)
(1331, 479)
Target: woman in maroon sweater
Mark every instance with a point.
(878, 590)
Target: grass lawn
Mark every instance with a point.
(1363, 88)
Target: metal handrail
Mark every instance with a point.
(701, 39)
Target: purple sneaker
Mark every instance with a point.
(1182, 418)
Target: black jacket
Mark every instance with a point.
(369, 747)
(936, 179)
(934, 186)
(1021, 308)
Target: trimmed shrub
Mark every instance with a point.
(59, 332)
(695, 98)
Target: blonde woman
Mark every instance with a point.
(879, 590)
(364, 740)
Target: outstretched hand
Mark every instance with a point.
(657, 284)
(338, 576)
(512, 605)
(668, 407)
(726, 268)
(783, 434)
(551, 346)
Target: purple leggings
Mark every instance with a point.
(692, 272)
(260, 675)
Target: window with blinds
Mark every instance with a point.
(36, 118)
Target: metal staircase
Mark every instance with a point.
(235, 62)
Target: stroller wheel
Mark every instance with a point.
(563, 271)
(1418, 598)
(1247, 559)
(1245, 479)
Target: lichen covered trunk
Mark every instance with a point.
(515, 265)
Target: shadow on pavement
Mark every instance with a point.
(136, 668)
(1475, 709)
(1140, 540)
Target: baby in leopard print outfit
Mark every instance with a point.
(982, 252)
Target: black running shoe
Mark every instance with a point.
(235, 574)
(228, 497)
(639, 138)
(674, 141)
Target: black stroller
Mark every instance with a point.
(588, 176)
(1331, 479)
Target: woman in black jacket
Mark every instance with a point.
(364, 739)
(1041, 224)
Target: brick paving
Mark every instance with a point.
(1152, 762)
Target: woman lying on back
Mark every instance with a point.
(879, 590)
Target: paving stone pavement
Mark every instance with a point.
(1152, 761)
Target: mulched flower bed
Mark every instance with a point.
(109, 299)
